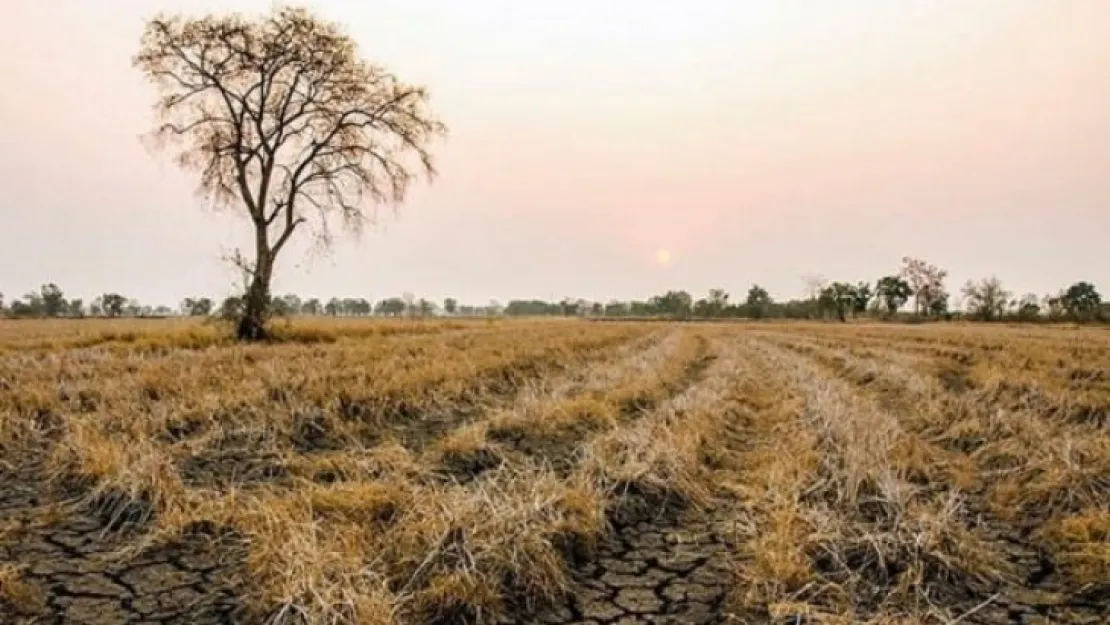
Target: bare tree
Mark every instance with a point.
(927, 285)
(814, 284)
(283, 120)
(986, 299)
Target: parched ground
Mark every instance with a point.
(556, 472)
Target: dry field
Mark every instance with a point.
(555, 472)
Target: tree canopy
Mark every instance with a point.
(281, 119)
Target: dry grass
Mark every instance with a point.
(159, 335)
(402, 472)
(1082, 545)
(328, 460)
(16, 595)
(902, 473)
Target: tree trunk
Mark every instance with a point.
(252, 326)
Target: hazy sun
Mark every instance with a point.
(663, 257)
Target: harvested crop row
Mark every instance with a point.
(449, 551)
(663, 556)
(46, 387)
(311, 550)
(775, 575)
(1036, 483)
(1060, 380)
(1030, 461)
(552, 428)
(1026, 348)
(162, 335)
(310, 525)
(604, 472)
(227, 385)
(884, 530)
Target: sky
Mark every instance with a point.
(605, 149)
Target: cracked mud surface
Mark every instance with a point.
(72, 573)
(1042, 597)
(655, 571)
(671, 569)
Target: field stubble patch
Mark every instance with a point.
(751, 472)
(1037, 488)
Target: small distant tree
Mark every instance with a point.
(311, 306)
(1053, 305)
(76, 307)
(838, 297)
(986, 299)
(391, 307)
(893, 292)
(861, 297)
(283, 120)
(29, 306)
(815, 296)
(197, 306)
(927, 283)
(333, 307)
(568, 307)
(53, 300)
(231, 308)
(279, 307)
(410, 303)
(716, 302)
(35, 303)
(938, 305)
(112, 304)
(673, 303)
(1028, 308)
(617, 309)
(291, 302)
(701, 308)
(450, 305)
(1081, 301)
(757, 302)
(815, 285)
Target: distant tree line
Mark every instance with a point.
(916, 292)
(50, 301)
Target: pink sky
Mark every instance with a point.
(756, 141)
